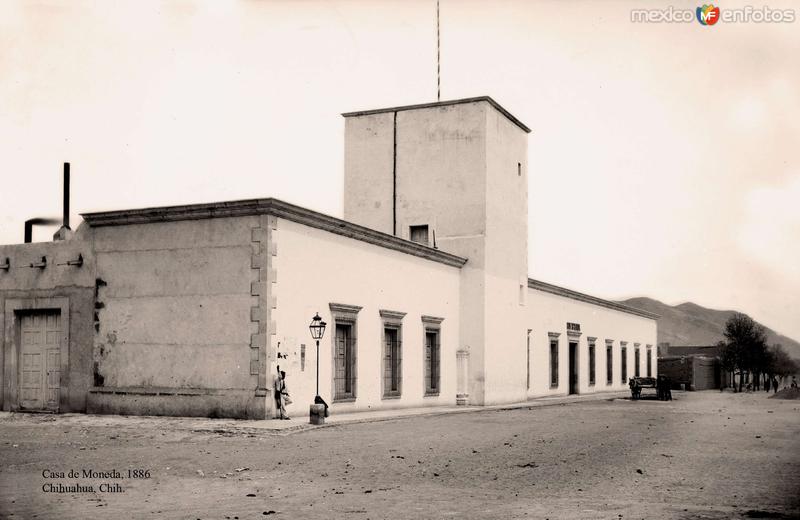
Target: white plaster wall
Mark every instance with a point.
(368, 164)
(506, 259)
(315, 268)
(550, 313)
(441, 171)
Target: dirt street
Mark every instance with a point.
(704, 455)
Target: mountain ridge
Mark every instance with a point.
(691, 324)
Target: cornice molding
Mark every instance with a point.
(431, 320)
(575, 295)
(270, 206)
(343, 308)
(391, 315)
(489, 100)
(554, 335)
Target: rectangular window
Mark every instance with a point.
(623, 353)
(609, 363)
(345, 362)
(636, 363)
(649, 361)
(419, 234)
(591, 363)
(553, 363)
(432, 355)
(392, 362)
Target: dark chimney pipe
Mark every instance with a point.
(36, 222)
(66, 195)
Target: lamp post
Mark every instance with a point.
(317, 328)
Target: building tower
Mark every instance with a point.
(453, 175)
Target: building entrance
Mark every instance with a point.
(40, 356)
(573, 368)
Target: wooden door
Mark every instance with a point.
(344, 363)
(40, 355)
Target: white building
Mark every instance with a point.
(189, 310)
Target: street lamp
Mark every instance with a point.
(317, 328)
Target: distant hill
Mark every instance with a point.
(691, 324)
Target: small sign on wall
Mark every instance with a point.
(574, 327)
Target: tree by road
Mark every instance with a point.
(745, 349)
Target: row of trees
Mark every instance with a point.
(745, 352)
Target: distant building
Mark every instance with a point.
(695, 367)
(189, 310)
(666, 349)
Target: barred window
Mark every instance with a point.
(623, 353)
(609, 363)
(591, 363)
(392, 362)
(432, 355)
(649, 361)
(636, 362)
(553, 363)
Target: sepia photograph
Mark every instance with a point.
(399, 259)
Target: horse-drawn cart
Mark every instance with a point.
(637, 383)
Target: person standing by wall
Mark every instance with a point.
(281, 394)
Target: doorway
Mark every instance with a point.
(573, 368)
(344, 363)
(40, 360)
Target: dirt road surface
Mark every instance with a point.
(703, 455)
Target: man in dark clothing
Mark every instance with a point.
(281, 393)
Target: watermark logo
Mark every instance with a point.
(708, 14)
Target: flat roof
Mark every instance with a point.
(270, 206)
(575, 295)
(489, 100)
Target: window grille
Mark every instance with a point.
(609, 364)
(624, 361)
(649, 362)
(591, 364)
(553, 363)
(636, 362)
(392, 363)
(432, 359)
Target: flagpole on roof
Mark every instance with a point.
(438, 66)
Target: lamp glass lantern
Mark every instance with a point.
(317, 327)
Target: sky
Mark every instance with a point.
(664, 158)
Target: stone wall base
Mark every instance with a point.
(178, 402)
